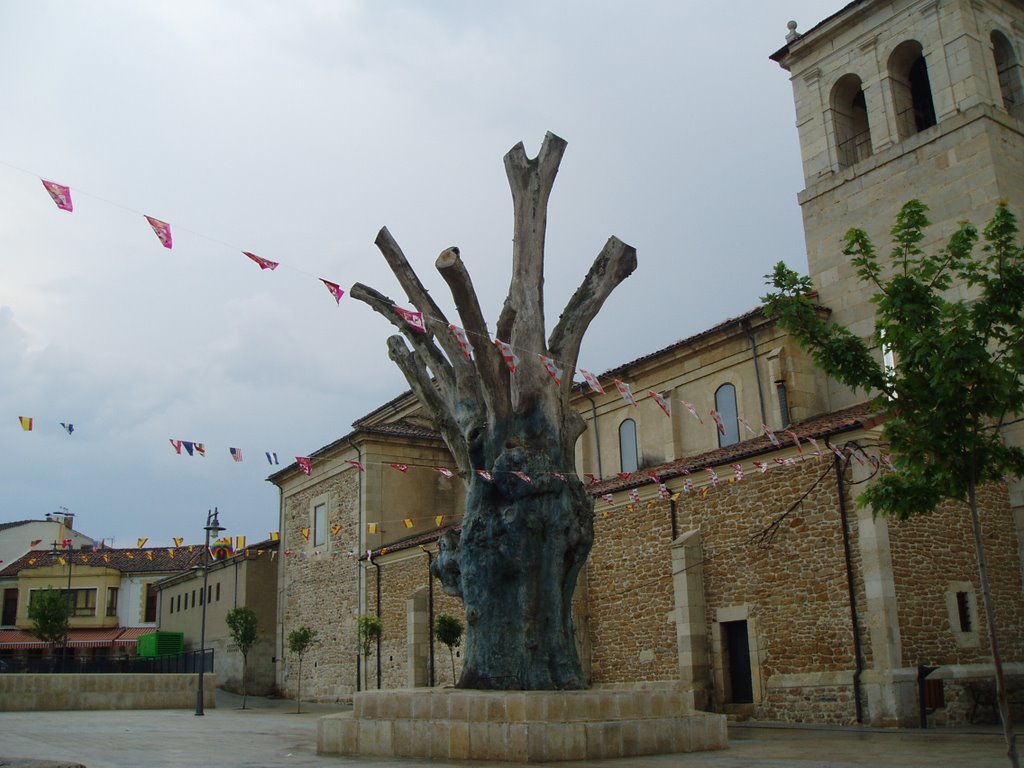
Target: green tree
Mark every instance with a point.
(243, 626)
(448, 630)
(370, 630)
(48, 612)
(958, 371)
(299, 641)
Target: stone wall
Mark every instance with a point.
(405, 590)
(933, 559)
(30, 692)
(629, 595)
(319, 589)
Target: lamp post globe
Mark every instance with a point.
(214, 527)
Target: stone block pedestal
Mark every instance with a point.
(519, 726)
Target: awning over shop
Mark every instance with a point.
(131, 635)
(77, 638)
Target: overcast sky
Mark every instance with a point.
(297, 129)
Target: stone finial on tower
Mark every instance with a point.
(792, 34)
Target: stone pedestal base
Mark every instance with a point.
(519, 726)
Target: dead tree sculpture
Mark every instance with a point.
(528, 530)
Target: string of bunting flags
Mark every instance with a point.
(221, 549)
(414, 320)
(61, 195)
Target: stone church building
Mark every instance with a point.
(731, 560)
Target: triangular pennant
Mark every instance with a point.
(26, 423)
(142, 542)
(162, 230)
(439, 519)
(271, 457)
(408, 523)
(592, 381)
(412, 318)
(61, 195)
(305, 464)
(336, 290)
(625, 391)
(236, 453)
(357, 464)
(484, 474)
(508, 355)
(68, 427)
(664, 404)
(264, 263)
(553, 370)
(444, 471)
(178, 540)
(400, 467)
(462, 341)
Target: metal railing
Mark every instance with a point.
(188, 662)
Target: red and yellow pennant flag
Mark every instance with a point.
(371, 527)
(142, 542)
(408, 523)
(239, 542)
(275, 535)
(336, 528)
(439, 519)
(178, 540)
(170, 552)
(305, 533)
(26, 423)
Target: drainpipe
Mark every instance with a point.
(857, 655)
(757, 371)
(378, 616)
(597, 432)
(360, 570)
(430, 615)
(675, 519)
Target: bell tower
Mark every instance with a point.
(903, 99)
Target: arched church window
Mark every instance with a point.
(1009, 71)
(725, 405)
(850, 121)
(911, 89)
(629, 454)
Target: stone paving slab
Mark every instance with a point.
(269, 734)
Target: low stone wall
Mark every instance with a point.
(515, 726)
(30, 693)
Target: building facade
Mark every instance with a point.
(731, 558)
(245, 578)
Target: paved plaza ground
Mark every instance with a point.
(269, 733)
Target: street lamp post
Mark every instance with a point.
(55, 552)
(212, 526)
